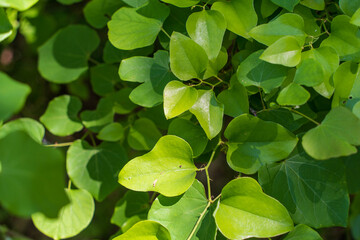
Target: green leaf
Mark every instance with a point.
(245, 211)
(72, 218)
(180, 214)
(143, 134)
(268, 8)
(346, 79)
(255, 72)
(145, 230)
(352, 165)
(190, 132)
(121, 101)
(214, 66)
(68, 2)
(329, 61)
(313, 191)
(187, 59)
(254, 143)
(155, 74)
(129, 30)
(130, 205)
(103, 78)
(154, 9)
(285, 51)
(112, 133)
(33, 128)
(95, 120)
(182, 3)
(287, 119)
(207, 28)
(288, 24)
(96, 12)
(136, 3)
(64, 57)
(35, 175)
(336, 136)
(209, 112)
(95, 169)
(355, 19)
(309, 73)
(6, 28)
(235, 99)
(293, 94)
(349, 6)
(20, 5)
(168, 168)
(344, 38)
(311, 26)
(240, 15)
(314, 4)
(13, 95)
(155, 114)
(61, 115)
(302, 231)
(287, 4)
(178, 98)
(112, 54)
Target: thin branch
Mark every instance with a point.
(199, 221)
(66, 144)
(301, 114)
(163, 30)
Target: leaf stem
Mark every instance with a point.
(92, 140)
(163, 30)
(301, 114)
(218, 196)
(262, 100)
(94, 61)
(66, 144)
(69, 184)
(198, 221)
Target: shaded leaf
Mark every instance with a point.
(143, 134)
(146, 230)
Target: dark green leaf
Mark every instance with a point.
(314, 192)
(35, 175)
(95, 169)
(143, 134)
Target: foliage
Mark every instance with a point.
(180, 119)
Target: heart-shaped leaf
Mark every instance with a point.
(313, 191)
(95, 120)
(112, 132)
(60, 117)
(72, 218)
(309, 73)
(33, 128)
(302, 231)
(207, 28)
(245, 211)
(63, 58)
(168, 168)
(254, 143)
(336, 136)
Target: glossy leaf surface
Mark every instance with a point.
(168, 168)
(245, 211)
(254, 143)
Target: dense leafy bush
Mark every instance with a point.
(180, 119)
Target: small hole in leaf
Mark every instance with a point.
(350, 97)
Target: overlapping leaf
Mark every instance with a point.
(95, 169)
(245, 211)
(146, 230)
(314, 192)
(254, 143)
